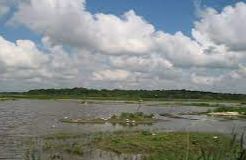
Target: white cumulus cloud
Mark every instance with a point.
(108, 50)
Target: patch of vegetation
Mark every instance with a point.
(150, 145)
(240, 110)
(130, 119)
(134, 116)
(63, 136)
(185, 103)
(229, 112)
(174, 146)
(7, 99)
(74, 148)
(57, 146)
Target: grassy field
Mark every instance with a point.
(171, 146)
(150, 145)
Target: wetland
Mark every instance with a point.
(37, 129)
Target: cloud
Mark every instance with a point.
(140, 64)
(3, 9)
(23, 54)
(205, 80)
(23, 61)
(111, 75)
(224, 28)
(107, 33)
(107, 50)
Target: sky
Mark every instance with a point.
(124, 44)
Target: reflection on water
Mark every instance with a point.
(22, 119)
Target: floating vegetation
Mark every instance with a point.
(7, 99)
(233, 112)
(130, 119)
(192, 103)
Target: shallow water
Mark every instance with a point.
(22, 119)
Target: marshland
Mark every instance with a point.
(139, 128)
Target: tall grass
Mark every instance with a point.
(234, 151)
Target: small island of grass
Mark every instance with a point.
(6, 99)
(237, 112)
(130, 119)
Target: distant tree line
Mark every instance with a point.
(137, 94)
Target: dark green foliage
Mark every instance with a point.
(137, 115)
(128, 94)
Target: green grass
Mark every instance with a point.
(56, 145)
(172, 146)
(152, 146)
(74, 148)
(193, 103)
(63, 136)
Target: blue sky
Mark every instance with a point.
(57, 44)
(168, 15)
